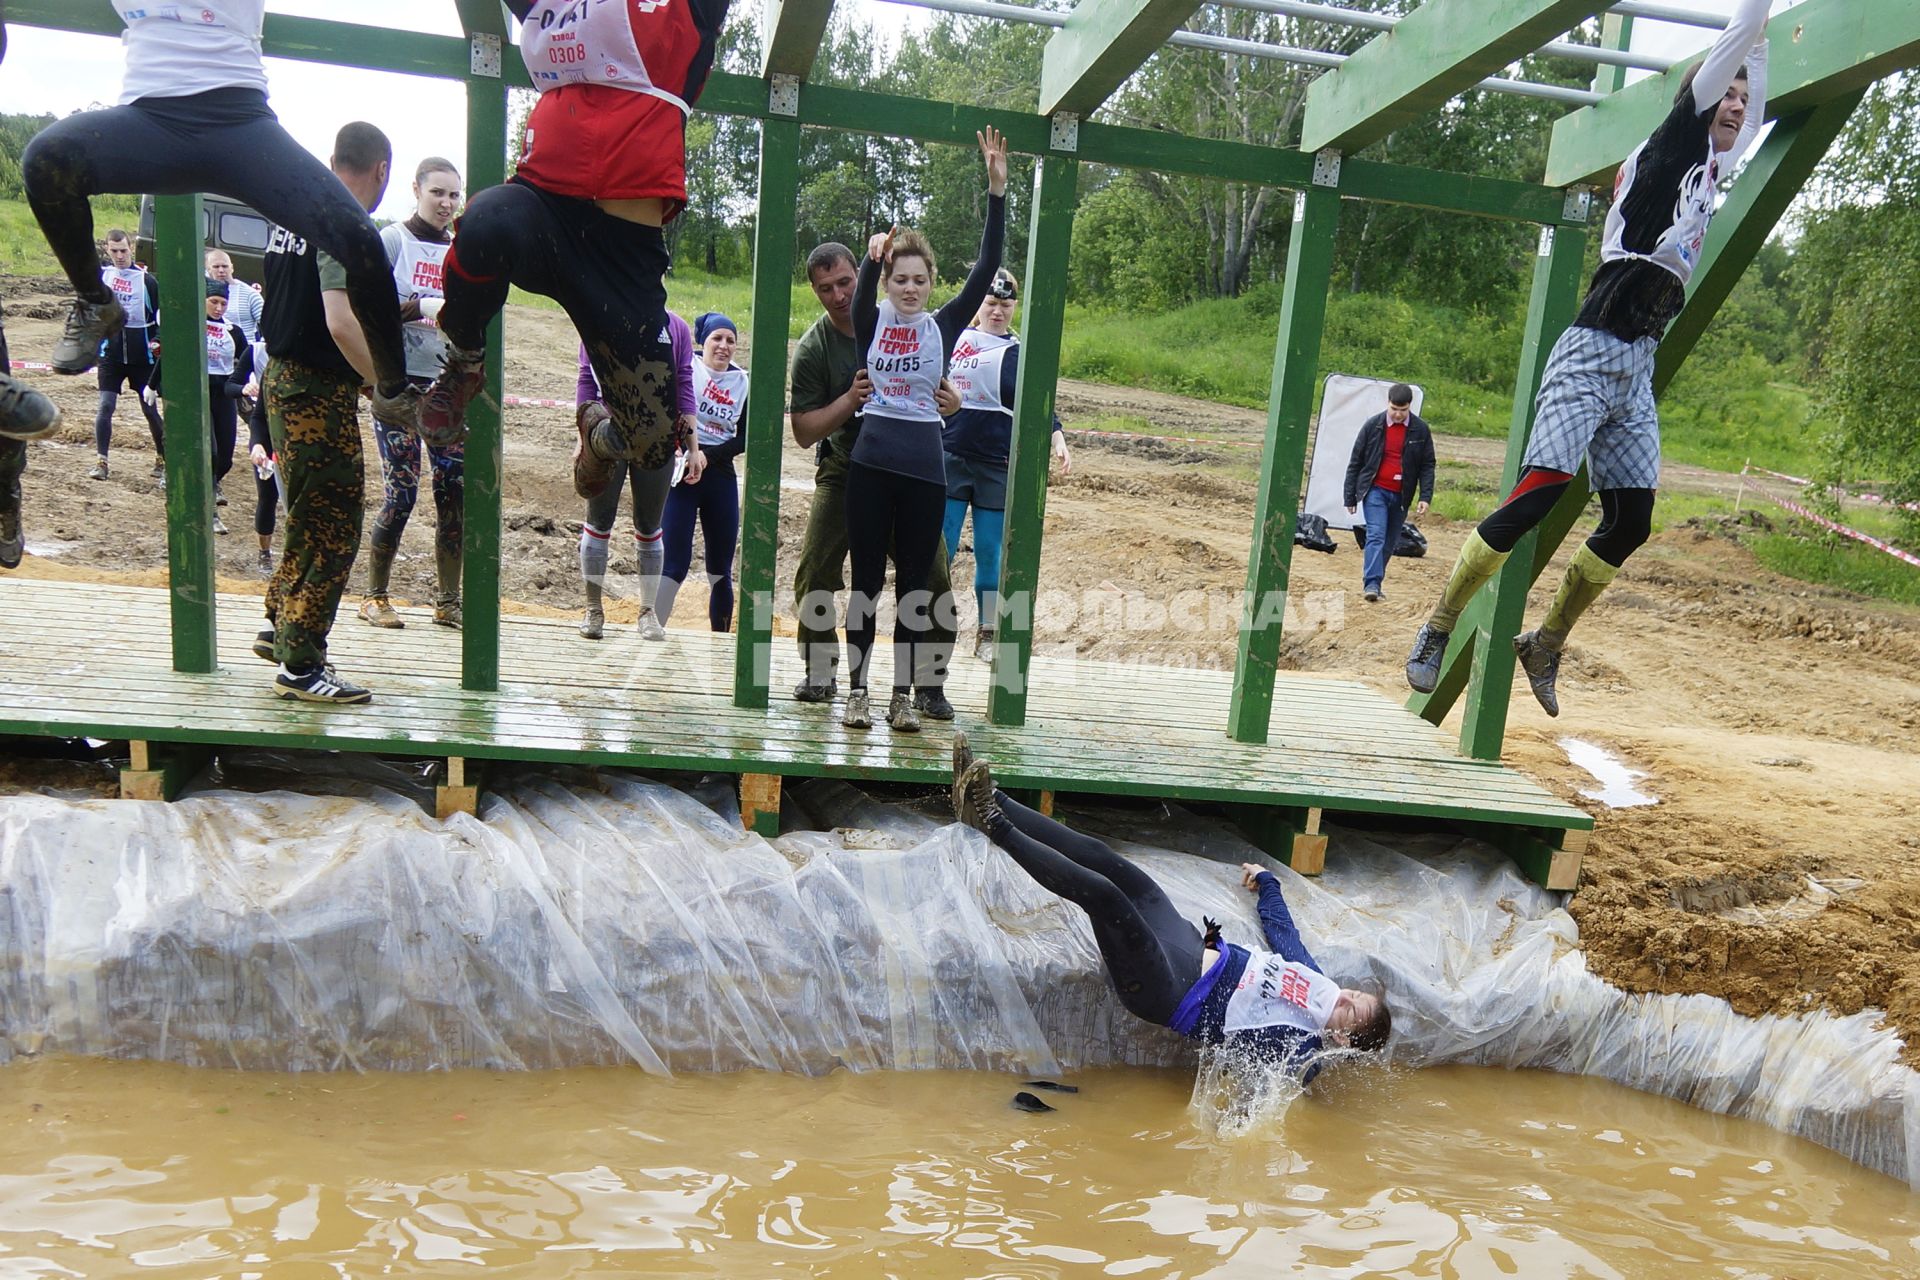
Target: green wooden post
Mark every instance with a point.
(766, 405)
(1296, 368)
(480, 541)
(1616, 32)
(179, 224)
(1049, 240)
(1556, 296)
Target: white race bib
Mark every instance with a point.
(419, 271)
(719, 398)
(905, 361)
(592, 42)
(976, 369)
(129, 285)
(1275, 992)
(220, 349)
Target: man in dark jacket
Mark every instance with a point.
(1392, 458)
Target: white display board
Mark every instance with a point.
(1344, 409)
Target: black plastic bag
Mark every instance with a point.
(1413, 543)
(1310, 531)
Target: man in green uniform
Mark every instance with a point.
(830, 386)
(318, 362)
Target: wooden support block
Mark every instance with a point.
(457, 795)
(162, 772)
(1291, 835)
(760, 803)
(1548, 856)
(1046, 804)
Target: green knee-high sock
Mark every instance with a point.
(1587, 576)
(1475, 568)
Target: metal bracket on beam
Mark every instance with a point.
(483, 54)
(783, 95)
(1578, 205)
(1065, 135)
(1326, 168)
(1546, 242)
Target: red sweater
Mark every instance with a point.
(1388, 476)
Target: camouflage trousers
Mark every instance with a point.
(314, 419)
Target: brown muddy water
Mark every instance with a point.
(125, 1169)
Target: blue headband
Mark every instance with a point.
(707, 322)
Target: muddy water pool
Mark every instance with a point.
(114, 1168)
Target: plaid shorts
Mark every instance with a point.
(1596, 402)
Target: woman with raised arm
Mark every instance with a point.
(897, 481)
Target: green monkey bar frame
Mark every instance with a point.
(1826, 53)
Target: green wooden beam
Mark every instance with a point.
(1818, 50)
(794, 30)
(1049, 241)
(1296, 368)
(483, 17)
(1550, 309)
(482, 523)
(1103, 43)
(1616, 32)
(1439, 50)
(773, 233)
(179, 224)
(1751, 211)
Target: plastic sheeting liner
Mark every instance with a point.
(599, 919)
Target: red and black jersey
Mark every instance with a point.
(616, 81)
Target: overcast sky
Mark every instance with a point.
(57, 72)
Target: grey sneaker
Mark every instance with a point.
(1423, 664)
(650, 626)
(1542, 666)
(807, 691)
(266, 563)
(983, 642)
(974, 801)
(447, 612)
(1373, 595)
(98, 471)
(901, 715)
(594, 625)
(88, 325)
(962, 753)
(159, 471)
(219, 525)
(859, 712)
(25, 414)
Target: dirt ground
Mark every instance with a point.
(1776, 722)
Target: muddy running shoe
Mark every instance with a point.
(219, 496)
(266, 563)
(1373, 595)
(932, 703)
(1542, 666)
(25, 414)
(974, 801)
(962, 753)
(219, 525)
(98, 471)
(403, 409)
(159, 471)
(900, 714)
(379, 612)
(263, 643)
(12, 544)
(441, 418)
(590, 471)
(594, 625)
(983, 642)
(859, 712)
(649, 626)
(1423, 664)
(807, 691)
(321, 684)
(88, 325)
(446, 611)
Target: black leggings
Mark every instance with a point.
(225, 142)
(885, 508)
(111, 375)
(1626, 516)
(606, 273)
(266, 493)
(223, 414)
(1153, 954)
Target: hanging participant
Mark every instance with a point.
(713, 497)
(1596, 394)
(1277, 1005)
(896, 482)
(580, 221)
(979, 441)
(193, 116)
(417, 248)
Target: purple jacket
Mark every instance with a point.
(588, 386)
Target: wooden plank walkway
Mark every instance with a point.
(78, 659)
